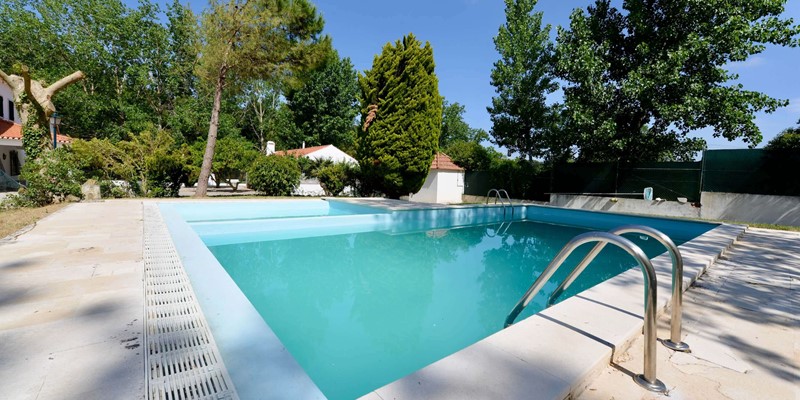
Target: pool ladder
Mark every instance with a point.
(648, 379)
(499, 196)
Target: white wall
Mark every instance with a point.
(781, 210)
(450, 186)
(626, 205)
(7, 95)
(428, 192)
(441, 187)
(332, 153)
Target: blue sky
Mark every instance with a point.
(461, 33)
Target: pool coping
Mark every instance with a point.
(511, 363)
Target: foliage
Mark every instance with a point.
(233, 157)
(267, 116)
(154, 163)
(472, 156)
(324, 108)
(788, 140)
(637, 82)
(52, 176)
(310, 166)
(396, 150)
(274, 175)
(522, 121)
(517, 176)
(137, 69)
(455, 129)
(335, 177)
(34, 138)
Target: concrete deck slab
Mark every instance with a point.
(743, 331)
(71, 305)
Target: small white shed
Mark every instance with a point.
(444, 184)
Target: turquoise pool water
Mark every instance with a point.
(361, 309)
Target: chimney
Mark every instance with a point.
(270, 147)
(304, 144)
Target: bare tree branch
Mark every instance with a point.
(64, 82)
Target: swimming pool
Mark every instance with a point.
(394, 292)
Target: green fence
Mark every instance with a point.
(753, 171)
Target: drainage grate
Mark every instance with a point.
(182, 360)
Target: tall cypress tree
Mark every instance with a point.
(402, 117)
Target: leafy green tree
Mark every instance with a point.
(788, 140)
(454, 128)
(254, 40)
(274, 175)
(267, 117)
(522, 120)
(402, 114)
(136, 69)
(638, 82)
(324, 108)
(233, 157)
(472, 156)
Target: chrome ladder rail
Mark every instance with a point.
(674, 342)
(648, 379)
(499, 196)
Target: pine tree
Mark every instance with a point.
(402, 117)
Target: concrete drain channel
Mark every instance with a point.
(182, 360)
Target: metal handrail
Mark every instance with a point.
(499, 196)
(674, 342)
(648, 379)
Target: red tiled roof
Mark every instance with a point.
(301, 152)
(13, 131)
(442, 162)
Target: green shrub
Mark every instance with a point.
(111, 190)
(51, 177)
(334, 177)
(274, 175)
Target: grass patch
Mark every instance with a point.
(18, 218)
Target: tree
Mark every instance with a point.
(35, 104)
(454, 128)
(138, 71)
(274, 175)
(250, 39)
(522, 121)
(232, 158)
(786, 141)
(324, 108)
(401, 112)
(267, 116)
(637, 83)
(472, 156)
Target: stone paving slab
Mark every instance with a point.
(71, 305)
(742, 323)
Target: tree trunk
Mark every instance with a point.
(211, 143)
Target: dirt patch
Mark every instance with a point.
(12, 221)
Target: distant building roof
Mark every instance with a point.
(442, 162)
(13, 131)
(303, 151)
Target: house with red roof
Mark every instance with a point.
(444, 184)
(310, 186)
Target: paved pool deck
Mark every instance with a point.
(71, 311)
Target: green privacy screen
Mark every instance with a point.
(754, 171)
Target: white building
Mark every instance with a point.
(311, 186)
(444, 184)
